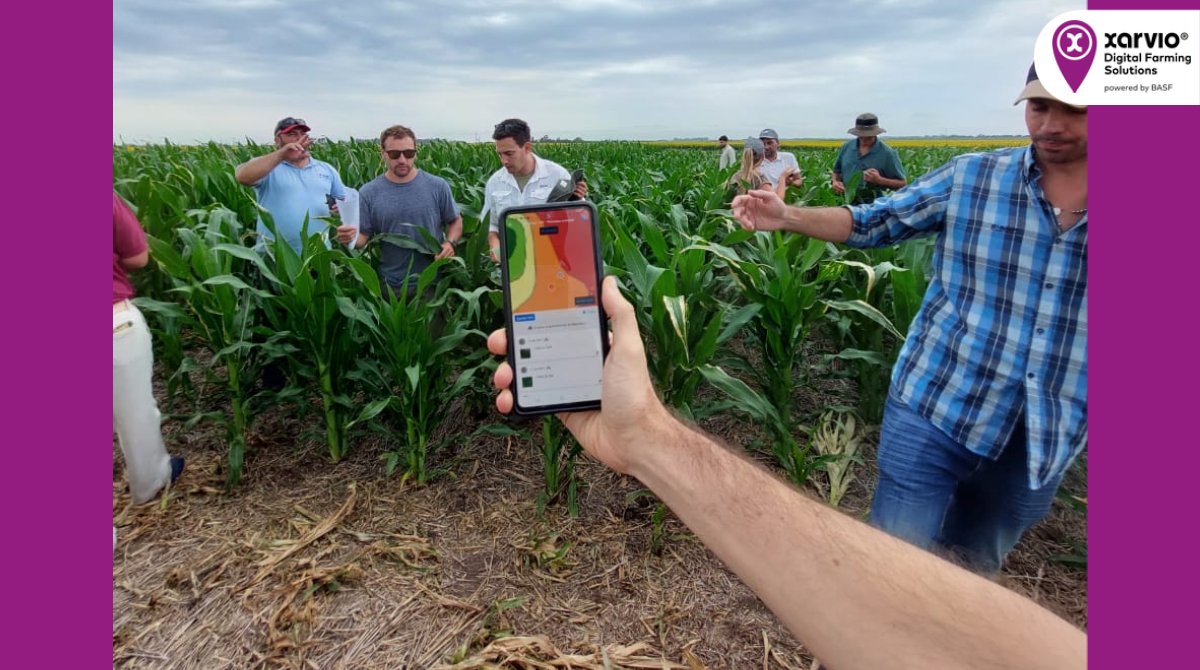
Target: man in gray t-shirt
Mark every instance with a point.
(402, 201)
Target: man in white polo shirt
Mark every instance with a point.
(776, 164)
(524, 178)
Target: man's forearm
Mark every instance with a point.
(893, 184)
(832, 224)
(454, 230)
(855, 596)
(252, 171)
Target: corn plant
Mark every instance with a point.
(862, 328)
(309, 291)
(876, 302)
(837, 438)
(781, 274)
(417, 370)
(718, 306)
(223, 310)
(560, 450)
(658, 517)
(797, 457)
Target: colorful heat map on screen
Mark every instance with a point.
(551, 262)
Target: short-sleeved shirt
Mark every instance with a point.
(773, 169)
(880, 156)
(502, 190)
(728, 157)
(385, 207)
(1002, 331)
(290, 193)
(129, 240)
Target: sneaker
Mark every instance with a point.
(176, 467)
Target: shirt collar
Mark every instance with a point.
(1029, 166)
(539, 171)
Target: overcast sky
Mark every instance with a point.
(225, 70)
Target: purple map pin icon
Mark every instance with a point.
(1074, 49)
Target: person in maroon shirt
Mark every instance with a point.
(136, 421)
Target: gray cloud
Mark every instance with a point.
(227, 69)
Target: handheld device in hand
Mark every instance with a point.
(551, 271)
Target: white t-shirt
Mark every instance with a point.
(773, 169)
(728, 157)
(502, 191)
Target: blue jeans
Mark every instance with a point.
(934, 493)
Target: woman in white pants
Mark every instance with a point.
(148, 466)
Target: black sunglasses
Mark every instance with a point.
(508, 127)
(397, 153)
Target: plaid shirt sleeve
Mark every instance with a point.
(917, 209)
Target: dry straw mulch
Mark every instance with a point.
(311, 565)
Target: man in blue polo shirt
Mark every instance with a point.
(867, 155)
(988, 402)
(291, 184)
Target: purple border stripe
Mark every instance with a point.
(1143, 590)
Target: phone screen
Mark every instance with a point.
(556, 334)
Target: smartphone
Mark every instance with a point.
(551, 271)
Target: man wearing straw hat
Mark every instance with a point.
(867, 155)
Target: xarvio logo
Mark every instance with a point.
(1074, 49)
(1143, 40)
(1130, 42)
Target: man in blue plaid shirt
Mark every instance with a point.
(988, 402)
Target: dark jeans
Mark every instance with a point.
(933, 492)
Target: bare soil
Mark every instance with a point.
(308, 564)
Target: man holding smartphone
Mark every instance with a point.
(404, 201)
(291, 184)
(524, 178)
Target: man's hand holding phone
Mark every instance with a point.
(632, 414)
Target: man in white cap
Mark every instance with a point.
(988, 401)
(868, 156)
(778, 165)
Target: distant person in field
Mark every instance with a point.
(728, 156)
(291, 184)
(407, 202)
(779, 167)
(877, 163)
(748, 176)
(136, 419)
(988, 401)
(855, 597)
(524, 178)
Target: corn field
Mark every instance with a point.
(736, 323)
